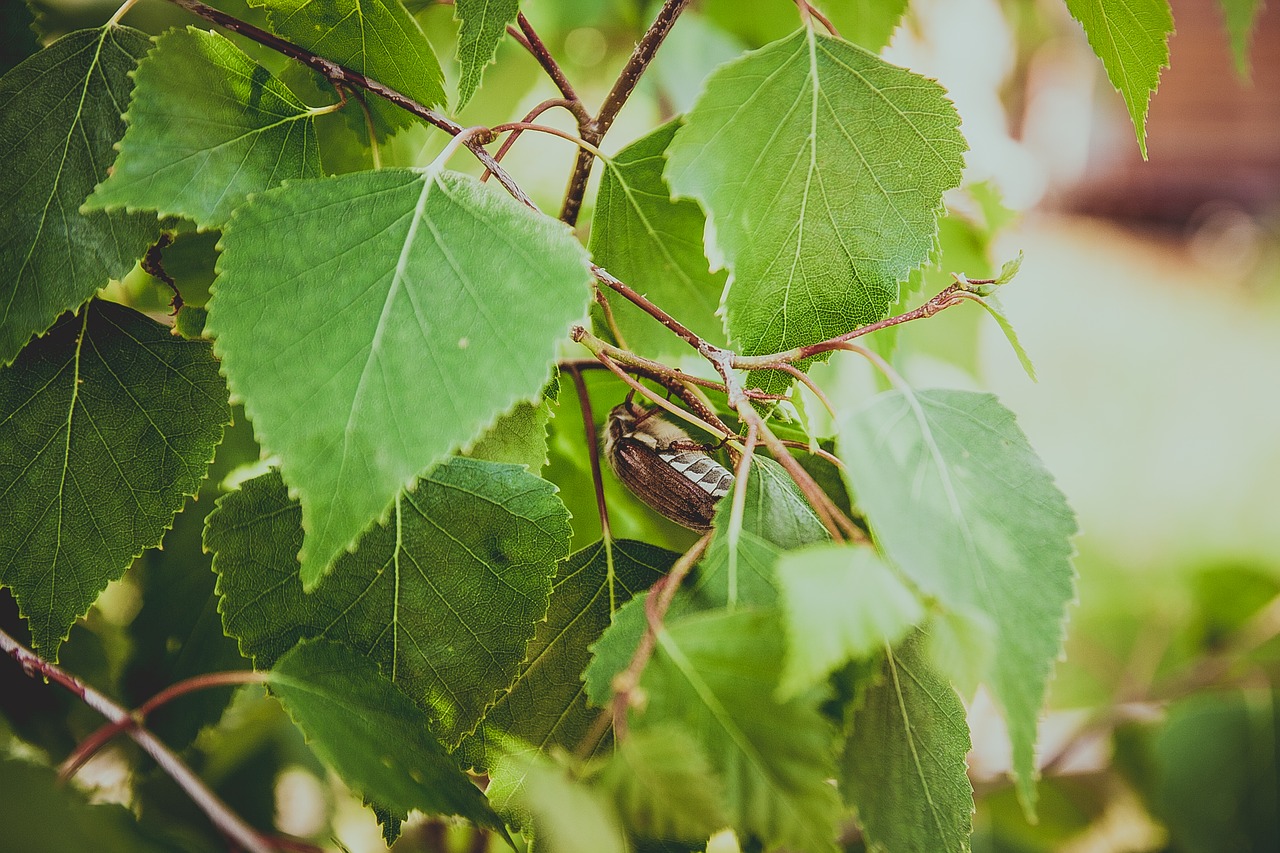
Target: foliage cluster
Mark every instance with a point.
(429, 574)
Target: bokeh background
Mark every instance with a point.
(1149, 302)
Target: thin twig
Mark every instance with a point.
(227, 821)
(541, 108)
(522, 126)
(89, 747)
(338, 74)
(655, 609)
(614, 101)
(534, 44)
(952, 295)
(818, 499)
(593, 449)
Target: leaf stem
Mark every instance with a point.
(121, 12)
(228, 822)
(643, 54)
(818, 499)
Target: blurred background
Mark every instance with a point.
(1149, 302)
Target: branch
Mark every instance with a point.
(100, 738)
(340, 75)
(952, 295)
(228, 822)
(614, 101)
(534, 44)
(593, 448)
(655, 610)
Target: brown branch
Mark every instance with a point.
(655, 610)
(100, 738)
(228, 822)
(534, 44)
(340, 75)
(946, 298)
(614, 101)
(593, 449)
(515, 134)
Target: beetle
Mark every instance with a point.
(663, 466)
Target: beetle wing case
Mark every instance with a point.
(683, 485)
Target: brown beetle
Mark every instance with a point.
(664, 467)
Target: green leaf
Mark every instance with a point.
(484, 23)
(839, 603)
(59, 116)
(1131, 37)
(904, 763)
(444, 597)
(654, 244)
(407, 309)
(207, 127)
(867, 23)
(961, 504)
(1241, 16)
(519, 436)
(366, 728)
(42, 815)
(996, 310)
(378, 38)
(822, 170)
(561, 814)
(109, 423)
(714, 675)
(663, 786)
(741, 561)
(547, 704)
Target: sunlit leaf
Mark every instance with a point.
(962, 505)
(207, 127)
(822, 169)
(839, 603)
(866, 23)
(741, 562)
(372, 734)
(904, 763)
(1131, 37)
(714, 675)
(484, 23)
(444, 596)
(406, 311)
(654, 244)
(59, 116)
(564, 815)
(108, 423)
(519, 436)
(664, 787)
